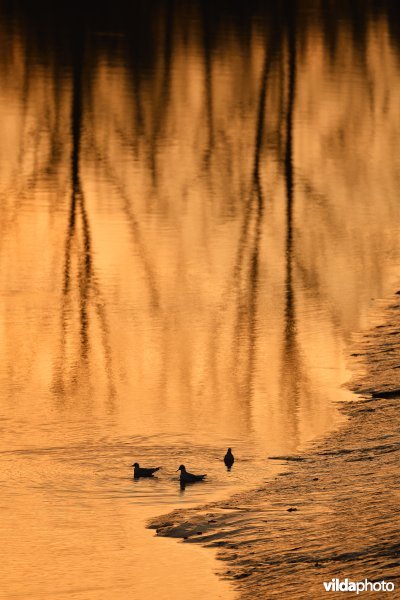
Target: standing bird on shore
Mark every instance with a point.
(141, 472)
(186, 477)
(229, 459)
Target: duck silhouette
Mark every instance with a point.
(229, 459)
(187, 477)
(141, 472)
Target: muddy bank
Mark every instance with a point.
(335, 511)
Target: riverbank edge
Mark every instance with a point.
(330, 515)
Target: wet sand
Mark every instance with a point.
(333, 511)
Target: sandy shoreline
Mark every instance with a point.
(335, 512)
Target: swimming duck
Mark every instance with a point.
(189, 477)
(141, 472)
(229, 459)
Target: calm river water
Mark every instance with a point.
(198, 203)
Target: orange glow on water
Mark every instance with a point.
(165, 294)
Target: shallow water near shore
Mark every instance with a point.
(199, 205)
(334, 514)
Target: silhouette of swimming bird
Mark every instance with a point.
(229, 459)
(141, 472)
(189, 477)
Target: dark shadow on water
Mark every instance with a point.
(293, 371)
(245, 279)
(78, 262)
(70, 39)
(183, 485)
(149, 27)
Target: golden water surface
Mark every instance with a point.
(196, 211)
